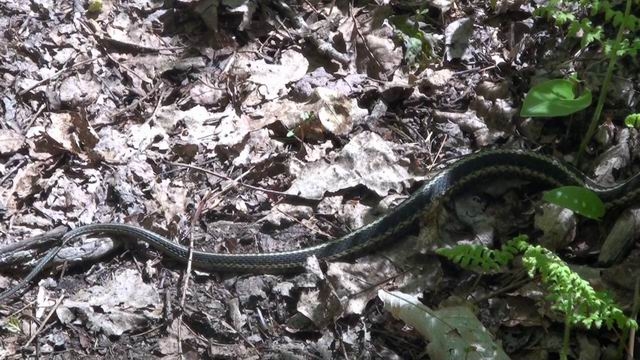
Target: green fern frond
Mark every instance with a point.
(578, 25)
(568, 292)
(471, 257)
(480, 257)
(571, 294)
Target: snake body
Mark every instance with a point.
(469, 169)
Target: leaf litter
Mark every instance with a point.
(311, 119)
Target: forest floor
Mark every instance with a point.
(262, 126)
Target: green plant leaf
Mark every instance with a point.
(13, 325)
(95, 6)
(632, 120)
(578, 199)
(554, 98)
(591, 34)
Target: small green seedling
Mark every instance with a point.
(632, 120)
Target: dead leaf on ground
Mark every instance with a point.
(10, 142)
(272, 78)
(172, 198)
(25, 183)
(321, 306)
(366, 160)
(123, 304)
(71, 132)
(356, 284)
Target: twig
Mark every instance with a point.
(94, 30)
(434, 160)
(232, 185)
(5, 295)
(379, 283)
(463, 72)
(16, 312)
(634, 314)
(35, 241)
(323, 47)
(161, 98)
(315, 230)
(54, 76)
(224, 177)
(44, 322)
(129, 70)
(107, 41)
(156, 328)
(313, 7)
(187, 275)
(133, 104)
(10, 172)
(366, 46)
(35, 116)
(54, 234)
(516, 284)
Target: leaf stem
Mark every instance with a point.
(613, 57)
(564, 352)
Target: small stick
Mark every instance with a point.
(44, 322)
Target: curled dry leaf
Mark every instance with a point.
(493, 90)
(504, 6)
(336, 112)
(469, 122)
(612, 160)
(457, 36)
(621, 238)
(169, 344)
(355, 284)
(387, 55)
(25, 184)
(321, 306)
(437, 78)
(193, 119)
(257, 148)
(557, 224)
(112, 146)
(143, 136)
(452, 332)
(497, 114)
(70, 132)
(69, 198)
(203, 94)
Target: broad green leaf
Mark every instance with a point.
(554, 98)
(578, 199)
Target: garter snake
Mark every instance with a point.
(463, 172)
